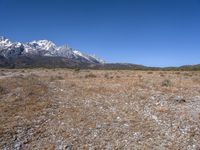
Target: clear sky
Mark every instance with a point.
(148, 32)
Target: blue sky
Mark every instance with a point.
(148, 32)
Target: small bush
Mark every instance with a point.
(117, 76)
(106, 75)
(2, 90)
(161, 74)
(196, 80)
(162, 109)
(177, 73)
(77, 69)
(90, 75)
(150, 72)
(140, 76)
(166, 83)
(53, 78)
(2, 74)
(111, 77)
(188, 74)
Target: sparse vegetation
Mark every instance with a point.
(60, 109)
(2, 90)
(166, 83)
(77, 69)
(90, 75)
(150, 72)
(106, 75)
(57, 77)
(117, 76)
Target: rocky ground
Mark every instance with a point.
(71, 109)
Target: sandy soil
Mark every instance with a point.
(67, 109)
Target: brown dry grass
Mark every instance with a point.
(67, 109)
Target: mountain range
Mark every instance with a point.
(42, 53)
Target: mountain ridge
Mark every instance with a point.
(43, 48)
(44, 53)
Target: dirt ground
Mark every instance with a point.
(66, 109)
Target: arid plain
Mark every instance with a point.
(99, 109)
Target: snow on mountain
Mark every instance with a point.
(81, 55)
(42, 48)
(4, 42)
(9, 49)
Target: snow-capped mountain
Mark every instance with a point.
(43, 48)
(7, 48)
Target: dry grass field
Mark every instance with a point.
(90, 110)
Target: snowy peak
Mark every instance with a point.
(43, 48)
(44, 44)
(4, 41)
